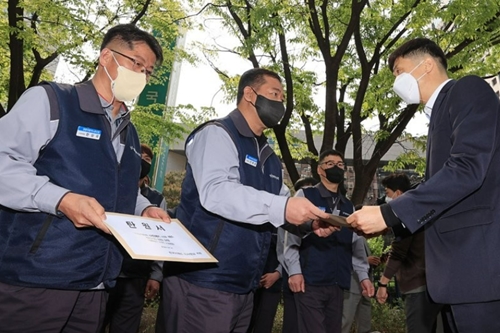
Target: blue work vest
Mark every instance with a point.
(327, 261)
(242, 249)
(43, 250)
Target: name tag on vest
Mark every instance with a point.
(251, 160)
(89, 133)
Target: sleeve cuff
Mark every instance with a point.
(48, 198)
(294, 270)
(390, 218)
(392, 221)
(141, 204)
(277, 210)
(362, 276)
(157, 276)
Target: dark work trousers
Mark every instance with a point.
(421, 313)
(319, 309)
(125, 305)
(39, 310)
(356, 308)
(187, 308)
(265, 304)
(474, 317)
(290, 322)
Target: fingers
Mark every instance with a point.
(156, 213)
(324, 231)
(381, 295)
(371, 290)
(83, 211)
(97, 216)
(299, 210)
(369, 220)
(152, 288)
(297, 283)
(264, 281)
(367, 288)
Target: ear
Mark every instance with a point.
(429, 64)
(105, 57)
(319, 169)
(248, 94)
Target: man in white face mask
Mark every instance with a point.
(68, 154)
(458, 204)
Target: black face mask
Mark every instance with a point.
(335, 175)
(270, 112)
(145, 167)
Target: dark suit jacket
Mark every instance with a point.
(459, 203)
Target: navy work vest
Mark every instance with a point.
(42, 250)
(327, 261)
(242, 249)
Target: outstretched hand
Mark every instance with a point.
(300, 210)
(368, 220)
(83, 211)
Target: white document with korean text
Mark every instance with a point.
(152, 239)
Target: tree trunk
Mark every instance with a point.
(16, 84)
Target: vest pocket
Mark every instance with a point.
(215, 239)
(41, 234)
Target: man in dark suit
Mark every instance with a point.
(459, 203)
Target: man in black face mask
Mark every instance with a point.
(232, 199)
(319, 269)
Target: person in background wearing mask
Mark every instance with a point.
(138, 279)
(232, 198)
(458, 204)
(68, 154)
(154, 196)
(407, 261)
(319, 269)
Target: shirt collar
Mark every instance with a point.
(90, 99)
(325, 193)
(108, 108)
(430, 103)
(241, 123)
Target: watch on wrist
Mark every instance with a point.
(380, 284)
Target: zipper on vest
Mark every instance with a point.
(259, 153)
(41, 234)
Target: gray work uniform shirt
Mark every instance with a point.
(23, 132)
(214, 161)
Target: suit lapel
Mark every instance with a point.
(436, 108)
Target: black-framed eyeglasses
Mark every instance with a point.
(331, 164)
(137, 65)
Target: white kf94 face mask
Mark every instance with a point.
(128, 84)
(406, 87)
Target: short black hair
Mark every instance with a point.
(129, 34)
(418, 46)
(330, 152)
(397, 181)
(254, 78)
(145, 149)
(308, 181)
